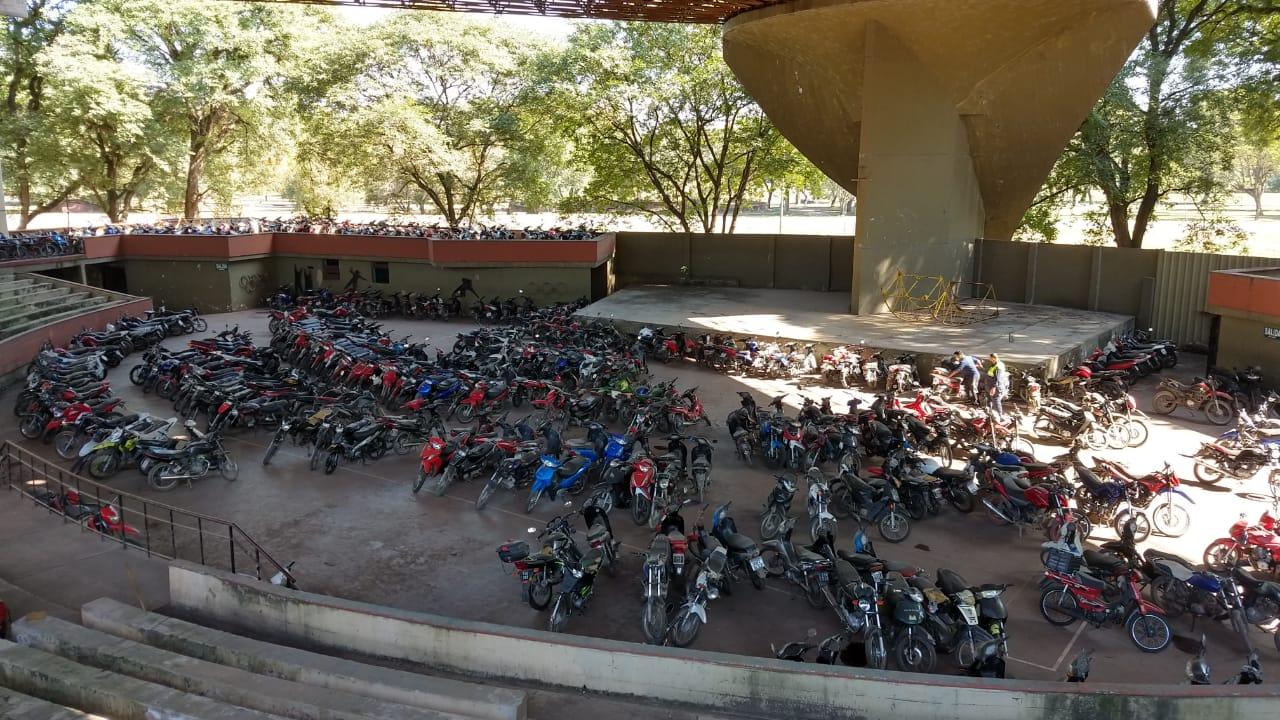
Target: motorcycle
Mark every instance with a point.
(1256, 546)
(803, 567)
(777, 506)
(190, 461)
(1072, 595)
(744, 555)
(1201, 396)
(707, 586)
(700, 466)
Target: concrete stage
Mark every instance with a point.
(1023, 335)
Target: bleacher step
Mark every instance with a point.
(58, 680)
(16, 706)
(425, 691)
(214, 681)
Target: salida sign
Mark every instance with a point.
(1271, 333)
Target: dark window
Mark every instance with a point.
(381, 273)
(331, 271)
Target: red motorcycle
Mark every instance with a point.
(1256, 546)
(1071, 595)
(107, 521)
(685, 411)
(1155, 493)
(66, 416)
(485, 396)
(924, 407)
(434, 457)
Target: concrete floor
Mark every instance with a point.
(360, 533)
(1023, 335)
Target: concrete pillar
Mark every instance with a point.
(82, 274)
(919, 205)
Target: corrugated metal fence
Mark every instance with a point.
(1181, 287)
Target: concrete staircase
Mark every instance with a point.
(123, 663)
(30, 301)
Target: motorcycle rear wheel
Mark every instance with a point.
(914, 652)
(1138, 432)
(842, 505)
(1059, 607)
(1118, 436)
(1164, 402)
(67, 444)
(156, 480)
(32, 426)
(685, 628)
(992, 501)
(960, 499)
(915, 505)
(770, 523)
(539, 595)
(1142, 529)
(1169, 594)
(1206, 474)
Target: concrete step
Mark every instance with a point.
(40, 293)
(425, 691)
(58, 680)
(17, 286)
(214, 681)
(53, 297)
(31, 323)
(16, 706)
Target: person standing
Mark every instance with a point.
(969, 370)
(997, 385)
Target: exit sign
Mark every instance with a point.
(1272, 333)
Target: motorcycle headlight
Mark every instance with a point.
(713, 592)
(864, 606)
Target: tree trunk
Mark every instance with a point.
(195, 169)
(1119, 214)
(1256, 194)
(768, 200)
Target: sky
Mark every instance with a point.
(551, 28)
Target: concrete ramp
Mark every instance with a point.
(299, 666)
(16, 706)
(211, 680)
(58, 680)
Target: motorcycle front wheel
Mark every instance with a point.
(486, 492)
(913, 652)
(1221, 555)
(1059, 607)
(331, 461)
(1171, 520)
(1149, 631)
(534, 497)
(419, 481)
(229, 469)
(445, 480)
(894, 527)
(654, 620)
(770, 523)
(67, 444)
(104, 464)
(971, 641)
(1217, 411)
(639, 510)
(1138, 432)
(560, 613)
(685, 628)
(876, 650)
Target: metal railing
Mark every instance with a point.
(136, 523)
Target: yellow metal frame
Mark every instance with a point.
(935, 299)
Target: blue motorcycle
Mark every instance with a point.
(556, 475)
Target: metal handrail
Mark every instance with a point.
(166, 531)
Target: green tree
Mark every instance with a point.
(427, 102)
(36, 168)
(215, 66)
(100, 110)
(659, 121)
(1158, 129)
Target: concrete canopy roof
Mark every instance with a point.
(680, 11)
(1021, 74)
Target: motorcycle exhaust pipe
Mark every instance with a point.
(996, 510)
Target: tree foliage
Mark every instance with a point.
(660, 124)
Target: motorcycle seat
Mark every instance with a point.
(592, 561)
(597, 532)
(846, 573)
(738, 542)
(571, 466)
(162, 452)
(1176, 569)
(1104, 562)
(659, 550)
(951, 582)
(495, 389)
(1248, 579)
(1036, 466)
(1090, 581)
(809, 556)
(1267, 432)
(858, 560)
(1015, 484)
(950, 474)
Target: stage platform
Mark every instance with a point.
(1024, 335)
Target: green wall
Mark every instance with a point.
(179, 283)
